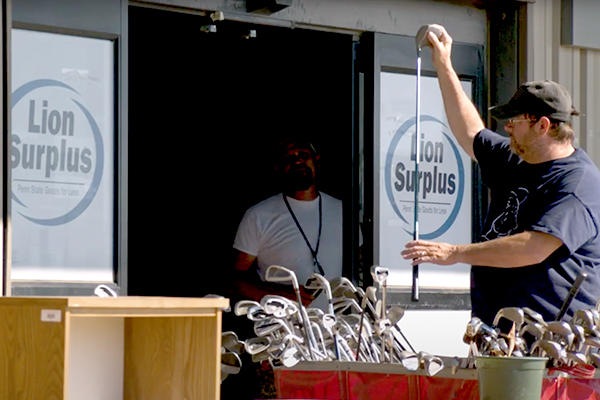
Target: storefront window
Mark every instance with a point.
(444, 186)
(62, 157)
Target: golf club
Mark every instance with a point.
(277, 273)
(574, 289)
(421, 39)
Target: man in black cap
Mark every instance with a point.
(541, 231)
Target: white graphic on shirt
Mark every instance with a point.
(506, 223)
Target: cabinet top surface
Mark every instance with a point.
(129, 302)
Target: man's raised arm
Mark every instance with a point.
(464, 119)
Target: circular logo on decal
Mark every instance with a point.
(56, 153)
(438, 183)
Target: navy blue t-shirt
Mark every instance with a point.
(559, 197)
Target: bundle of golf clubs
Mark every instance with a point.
(571, 344)
(358, 325)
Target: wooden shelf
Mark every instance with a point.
(110, 348)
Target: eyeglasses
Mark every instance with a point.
(511, 122)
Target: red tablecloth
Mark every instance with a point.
(347, 384)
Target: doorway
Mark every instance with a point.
(204, 110)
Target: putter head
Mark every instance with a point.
(421, 37)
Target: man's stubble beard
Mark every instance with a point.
(297, 180)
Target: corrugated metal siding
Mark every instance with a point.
(576, 68)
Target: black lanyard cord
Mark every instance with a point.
(313, 252)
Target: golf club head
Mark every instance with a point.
(318, 283)
(230, 341)
(371, 294)
(533, 316)
(257, 345)
(421, 37)
(579, 332)
(242, 306)
(277, 273)
(379, 274)
(230, 364)
(257, 313)
(278, 306)
(584, 318)
(260, 357)
(409, 360)
(431, 364)
(290, 357)
(342, 282)
(395, 313)
(513, 314)
(270, 326)
(576, 357)
(103, 290)
(328, 321)
(594, 358)
(561, 330)
(217, 296)
(549, 348)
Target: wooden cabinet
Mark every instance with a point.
(92, 348)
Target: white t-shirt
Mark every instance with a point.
(269, 232)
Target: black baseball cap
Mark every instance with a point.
(543, 98)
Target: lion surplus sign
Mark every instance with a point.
(442, 183)
(62, 157)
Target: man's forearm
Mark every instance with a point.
(519, 250)
(522, 249)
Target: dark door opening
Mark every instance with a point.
(204, 109)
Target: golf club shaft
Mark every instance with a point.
(310, 338)
(415, 271)
(571, 295)
(360, 326)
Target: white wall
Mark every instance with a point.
(436, 331)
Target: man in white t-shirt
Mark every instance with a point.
(300, 229)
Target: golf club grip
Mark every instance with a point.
(574, 289)
(415, 283)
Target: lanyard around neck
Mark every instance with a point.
(316, 250)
